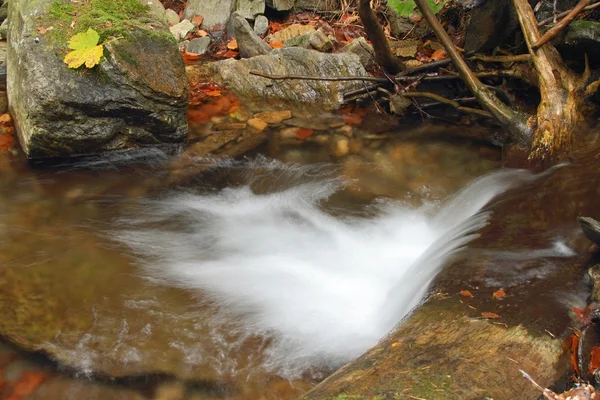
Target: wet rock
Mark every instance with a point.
(291, 94)
(590, 228)
(136, 96)
(299, 41)
(261, 25)
(249, 9)
(547, 9)
(274, 117)
(340, 146)
(320, 41)
(317, 5)
(280, 5)
(170, 391)
(172, 17)
(67, 388)
(215, 12)
(181, 29)
(489, 24)
(470, 360)
(290, 32)
(362, 49)
(249, 43)
(198, 45)
(582, 37)
(401, 26)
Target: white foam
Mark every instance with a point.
(323, 288)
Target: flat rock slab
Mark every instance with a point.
(136, 96)
(214, 12)
(294, 94)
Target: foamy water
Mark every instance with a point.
(324, 288)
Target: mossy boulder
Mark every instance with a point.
(136, 96)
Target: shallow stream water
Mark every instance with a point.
(255, 279)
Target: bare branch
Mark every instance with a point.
(506, 116)
(374, 30)
(556, 29)
(562, 14)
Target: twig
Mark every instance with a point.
(320, 78)
(502, 59)
(556, 29)
(505, 115)
(453, 103)
(562, 14)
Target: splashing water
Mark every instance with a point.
(323, 288)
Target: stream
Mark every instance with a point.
(262, 276)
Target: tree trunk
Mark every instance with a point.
(560, 109)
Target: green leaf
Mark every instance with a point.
(86, 50)
(405, 7)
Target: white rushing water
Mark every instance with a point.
(324, 288)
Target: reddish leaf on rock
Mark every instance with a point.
(275, 26)
(490, 315)
(277, 45)
(466, 293)
(190, 58)
(594, 359)
(6, 142)
(304, 133)
(498, 294)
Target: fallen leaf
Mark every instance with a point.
(190, 58)
(6, 142)
(438, 55)
(86, 50)
(303, 133)
(274, 117)
(201, 33)
(275, 26)
(277, 45)
(573, 344)
(257, 124)
(197, 20)
(490, 315)
(214, 93)
(232, 45)
(43, 30)
(594, 359)
(466, 293)
(352, 119)
(28, 382)
(498, 294)
(5, 119)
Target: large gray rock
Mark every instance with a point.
(136, 96)
(215, 12)
(489, 24)
(317, 5)
(296, 94)
(250, 8)
(281, 5)
(249, 43)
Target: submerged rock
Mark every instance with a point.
(590, 228)
(137, 95)
(293, 94)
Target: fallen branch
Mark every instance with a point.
(562, 14)
(556, 29)
(452, 103)
(502, 59)
(383, 54)
(506, 116)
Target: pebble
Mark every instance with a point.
(261, 25)
(340, 146)
(257, 124)
(181, 29)
(172, 17)
(198, 45)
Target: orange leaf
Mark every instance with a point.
(214, 93)
(232, 45)
(29, 381)
(304, 133)
(594, 359)
(6, 142)
(275, 26)
(352, 119)
(490, 315)
(465, 293)
(573, 343)
(438, 55)
(197, 20)
(201, 33)
(190, 58)
(277, 45)
(498, 294)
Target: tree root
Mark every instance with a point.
(556, 29)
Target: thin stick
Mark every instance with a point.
(320, 78)
(556, 29)
(502, 59)
(453, 103)
(562, 14)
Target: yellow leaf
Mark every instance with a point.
(90, 57)
(86, 50)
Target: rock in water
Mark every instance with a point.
(214, 12)
(137, 95)
(590, 228)
(249, 43)
(294, 94)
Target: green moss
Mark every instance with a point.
(109, 18)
